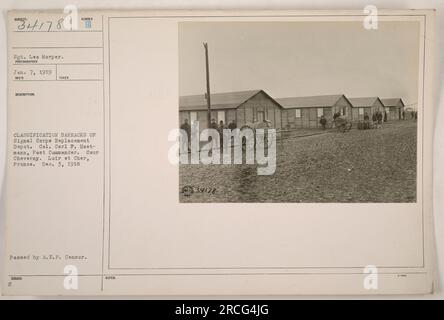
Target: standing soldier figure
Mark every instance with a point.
(366, 121)
(323, 122)
(213, 125)
(366, 118)
(232, 126)
(186, 127)
(375, 120)
(335, 116)
(379, 116)
(221, 133)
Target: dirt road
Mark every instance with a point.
(357, 166)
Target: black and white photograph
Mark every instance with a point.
(238, 153)
(340, 99)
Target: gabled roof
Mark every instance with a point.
(310, 102)
(219, 101)
(364, 101)
(391, 102)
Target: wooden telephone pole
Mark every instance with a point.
(207, 95)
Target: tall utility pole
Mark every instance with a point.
(208, 85)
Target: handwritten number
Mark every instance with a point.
(59, 23)
(21, 26)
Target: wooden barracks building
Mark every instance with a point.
(363, 105)
(241, 106)
(246, 107)
(394, 108)
(305, 112)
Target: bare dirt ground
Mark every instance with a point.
(358, 166)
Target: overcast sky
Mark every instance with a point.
(301, 58)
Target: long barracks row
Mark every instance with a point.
(287, 113)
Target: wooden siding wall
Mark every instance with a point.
(341, 104)
(245, 113)
(358, 117)
(308, 119)
(248, 111)
(214, 116)
(182, 116)
(202, 117)
(377, 107)
(393, 113)
(328, 114)
(230, 115)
